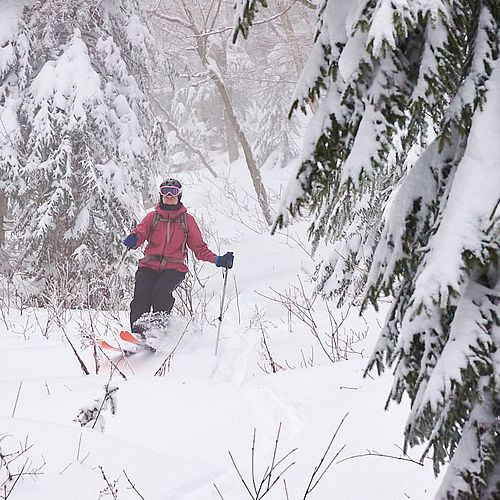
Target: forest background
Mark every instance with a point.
(393, 166)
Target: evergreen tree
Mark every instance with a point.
(245, 14)
(83, 132)
(380, 70)
(14, 71)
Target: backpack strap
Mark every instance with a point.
(156, 219)
(183, 220)
(182, 217)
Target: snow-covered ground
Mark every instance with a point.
(169, 436)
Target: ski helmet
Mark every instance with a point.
(173, 183)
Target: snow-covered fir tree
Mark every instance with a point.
(14, 71)
(81, 141)
(380, 71)
(246, 11)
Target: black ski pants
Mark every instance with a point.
(154, 289)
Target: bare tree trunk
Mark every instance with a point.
(220, 57)
(189, 22)
(231, 143)
(235, 124)
(229, 111)
(245, 145)
(3, 216)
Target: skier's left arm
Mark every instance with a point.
(195, 242)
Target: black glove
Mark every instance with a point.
(131, 240)
(225, 260)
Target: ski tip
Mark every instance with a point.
(129, 337)
(124, 335)
(106, 345)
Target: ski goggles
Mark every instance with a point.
(170, 190)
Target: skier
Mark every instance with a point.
(169, 230)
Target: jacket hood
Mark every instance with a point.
(170, 214)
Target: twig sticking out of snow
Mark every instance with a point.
(313, 481)
(8, 477)
(17, 398)
(258, 488)
(372, 453)
(80, 360)
(335, 341)
(92, 413)
(260, 322)
(111, 487)
(218, 491)
(132, 485)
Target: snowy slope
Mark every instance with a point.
(170, 435)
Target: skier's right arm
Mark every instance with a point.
(139, 235)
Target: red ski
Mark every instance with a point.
(129, 337)
(108, 347)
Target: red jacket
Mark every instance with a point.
(167, 240)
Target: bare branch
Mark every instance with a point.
(370, 453)
(82, 364)
(170, 19)
(168, 120)
(262, 490)
(218, 491)
(263, 21)
(111, 487)
(17, 398)
(313, 481)
(241, 477)
(132, 485)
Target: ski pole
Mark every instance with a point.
(221, 310)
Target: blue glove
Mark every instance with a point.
(225, 260)
(131, 240)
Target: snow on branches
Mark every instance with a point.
(245, 14)
(382, 73)
(85, 139)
